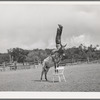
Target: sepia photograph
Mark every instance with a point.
(51, 47)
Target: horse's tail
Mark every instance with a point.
(44, 67)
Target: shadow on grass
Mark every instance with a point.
(45, 81)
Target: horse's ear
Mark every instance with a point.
(64, 45)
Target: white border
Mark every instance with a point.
(52, 2)
(51, 95)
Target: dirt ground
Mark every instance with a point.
(79, 78)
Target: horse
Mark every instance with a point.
(52, 61)
(56, 57)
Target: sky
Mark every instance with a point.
(34, 25)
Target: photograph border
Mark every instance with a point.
(50, 95)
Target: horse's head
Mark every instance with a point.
(62, 50)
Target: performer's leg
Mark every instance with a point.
(58, 36)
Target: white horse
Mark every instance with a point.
(52, 61)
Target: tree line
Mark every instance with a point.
(74, 54)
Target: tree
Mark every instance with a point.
(4, 58)
(37, 55)
(48, 51)
(18, 54)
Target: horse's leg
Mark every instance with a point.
(42, 73)
(55, 66)
(46, 71)
(43, 69)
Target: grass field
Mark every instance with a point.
(79, 78)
